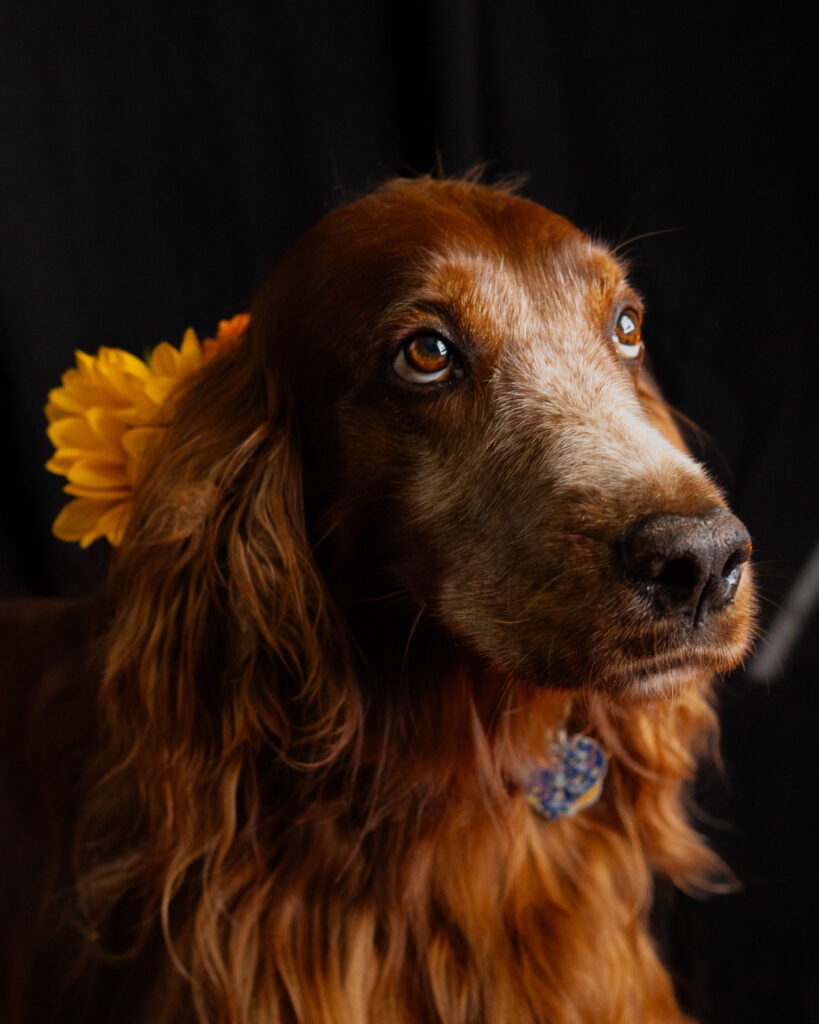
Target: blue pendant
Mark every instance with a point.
(573, 780)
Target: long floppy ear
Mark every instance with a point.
(226, 691)
(226, 701)
(220, 607)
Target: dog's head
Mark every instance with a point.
(438, 453)
(480, 433)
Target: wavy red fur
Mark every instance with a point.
(305, 802)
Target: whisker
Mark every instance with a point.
(327, 533)
(645, 234)
(413, 628)
(378, 598)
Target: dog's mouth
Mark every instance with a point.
(676, 663)
(642, 662)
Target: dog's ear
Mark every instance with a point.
(223, 643)
(225, 631)
(661, 414)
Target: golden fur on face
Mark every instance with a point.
(350, 611)
(511, 483)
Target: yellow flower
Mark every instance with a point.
(104, 418)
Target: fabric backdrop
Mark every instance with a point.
(155, 161)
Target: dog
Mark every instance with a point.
(428, 524)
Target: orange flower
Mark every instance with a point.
(105, 417)
(230, 333)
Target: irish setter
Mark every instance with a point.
(431, 515)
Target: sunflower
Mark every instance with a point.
(104, 418)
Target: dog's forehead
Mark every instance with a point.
(571, 275)
(492, 255)
(493, 292)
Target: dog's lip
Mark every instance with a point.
(713, 658)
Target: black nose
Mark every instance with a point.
(689, 565)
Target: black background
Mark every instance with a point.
(154, 162)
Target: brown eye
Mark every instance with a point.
(626, 334)
(423, 359)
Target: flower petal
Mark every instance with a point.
(230, 334)
(143, 411)
(159, 389)
(60, 404)
(60, 463)
(107, 427)
(136, 444)
(80, 393)
(79, 519)
(116, 362)
(109, 493)
(74, 434)
(165, 360)
(112, 524)
(190, 352)
(100, 475)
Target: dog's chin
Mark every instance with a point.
(666, 676)
(664, 683)
(669, 675)
(637, 680)
(666, 680)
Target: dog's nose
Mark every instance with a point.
(689, 565)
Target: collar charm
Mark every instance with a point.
(572, 781)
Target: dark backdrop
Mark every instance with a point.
(154, 163)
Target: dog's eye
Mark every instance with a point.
(423, 359)
(626, 334)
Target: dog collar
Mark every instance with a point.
(572, 781)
